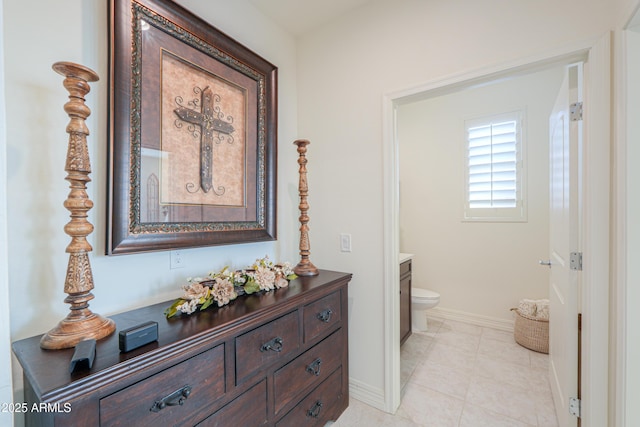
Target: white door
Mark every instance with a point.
(565, 145)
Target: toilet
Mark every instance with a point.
(421, 301)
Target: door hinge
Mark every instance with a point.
(575, 261)
(575, 406)
(575, 111)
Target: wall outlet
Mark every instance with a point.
(176, 259)
(345, 242)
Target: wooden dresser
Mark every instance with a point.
(274, 359)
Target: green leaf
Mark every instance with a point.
(219, 273)
(292, 276)
(173, 310)
(251, 286)
(206, 304)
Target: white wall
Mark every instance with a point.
(344, 70)
(6, 389)
(479, 268)
(76, 30)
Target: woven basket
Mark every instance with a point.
(531, 332)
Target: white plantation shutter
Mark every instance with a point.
(494, 153)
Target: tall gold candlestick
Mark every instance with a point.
(80, 323)
(305, 267)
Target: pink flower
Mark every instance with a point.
(281, 281)
(223, 291)
(265, 278)
(194, 291)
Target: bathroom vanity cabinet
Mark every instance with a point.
(405, 301)
(272, 359)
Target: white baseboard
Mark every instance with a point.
(366, 394)
(472, 318)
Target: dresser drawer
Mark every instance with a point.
(321, 315)
(307, 370)
(201, 377)
(257, 349)
(321, 405)
(247, 410)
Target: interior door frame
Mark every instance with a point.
(596, 191)
(626, 365)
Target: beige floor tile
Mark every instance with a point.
(547, 417)
(359, 414)
(429, 408)
(505, 351)
(502, 398)
(497, 335)
(475, 416)
(460, 340)
(545, 408)
(442, 378)
(539, 360)
(547, 420)
(406, 371)
(451, 356)
(459, 375)
(540, 382)
(413, 352)
(416, 345)
(506, 372)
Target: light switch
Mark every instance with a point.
(345, 242)
(176, 259)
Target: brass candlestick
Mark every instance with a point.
(80, 323)
(305, 267)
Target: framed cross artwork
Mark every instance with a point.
(192, 133)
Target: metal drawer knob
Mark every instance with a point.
(174, 399)
(325, 315)
(273, 345)
(314, 367)
(314, 412)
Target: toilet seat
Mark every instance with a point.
(424, 294)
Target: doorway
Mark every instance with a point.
(596, 226)
(481, 266)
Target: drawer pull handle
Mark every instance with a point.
(314, 367)
(315, 410)
(325, 315)
(273, 345)
(174, 399)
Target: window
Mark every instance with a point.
(494, 178)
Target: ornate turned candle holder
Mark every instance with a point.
(305, 267)
(80, 323)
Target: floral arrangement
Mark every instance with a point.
(226, 285)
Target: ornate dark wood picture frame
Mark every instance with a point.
(193, 133)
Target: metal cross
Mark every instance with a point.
(209, 124)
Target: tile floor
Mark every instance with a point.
(463, 375)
